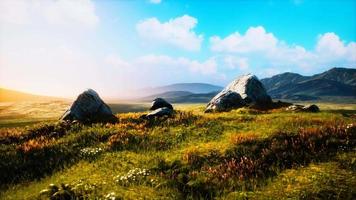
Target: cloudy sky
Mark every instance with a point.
(60, 47)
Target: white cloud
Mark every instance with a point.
(116, 61)
(14, 12)
(46, 69)
(55, 12)
(69, 11)
(176, 32)
(155, 1)
(256, 39)
(329, 46)
(236, 62)
(156, 70)
(154, 62)
(206, 67)
(258, 44)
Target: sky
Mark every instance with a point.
(62, 47)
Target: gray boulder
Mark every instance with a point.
(160, 112)
(89, 107)
(312, 108)
(301, 108)
(244, 91)
(160, 103)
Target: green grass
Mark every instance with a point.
(327, 180)
(242, 154)
(18, 114)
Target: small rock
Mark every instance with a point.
(61, 195)
(311, 108)
(295, 107)
(159, 113)
(53, 188)
(301, 108)
(46, 193)
(160, 103)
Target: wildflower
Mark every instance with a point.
(111, 196)
(134, 175)
(90, 152)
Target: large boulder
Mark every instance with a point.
(89, 107)
(160, 103)
(244, 91)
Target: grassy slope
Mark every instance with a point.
(7, 95)
(193, 146)
(16, 114)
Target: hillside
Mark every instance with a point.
(166, 95)
(181, 97)
(336, 82)
(7, 95)
(342, 75)
(196, 88)
(242, 154)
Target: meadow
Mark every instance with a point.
(241, 154)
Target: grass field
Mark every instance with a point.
(242, 154)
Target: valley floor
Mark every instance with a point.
(242, 154)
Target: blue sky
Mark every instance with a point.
(61, 47)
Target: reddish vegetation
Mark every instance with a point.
(283, 151)
(251, 160)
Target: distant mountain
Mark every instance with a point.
(167, 95)
(336, 82)
(196, 88)
(181, 97)
(280, 80)
(342, 75)
(7, 95)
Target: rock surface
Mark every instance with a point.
(301, 108)
(244, 91)
(89, 107)
(160, 108)
(311, 108)
(160, 103)
(160, 112)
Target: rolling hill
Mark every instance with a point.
(336, 82)
(342, 75)
(7, 95)
(182, 97)
(196, 88)
(180, 93)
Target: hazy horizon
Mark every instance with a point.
(60, 48)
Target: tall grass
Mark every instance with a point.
(189, 155)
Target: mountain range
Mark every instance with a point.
(331, 85)
(182, 92)
(336, 82)
(180, 89)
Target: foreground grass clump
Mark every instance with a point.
(328, 180)
(235, 155)
(245, 166)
